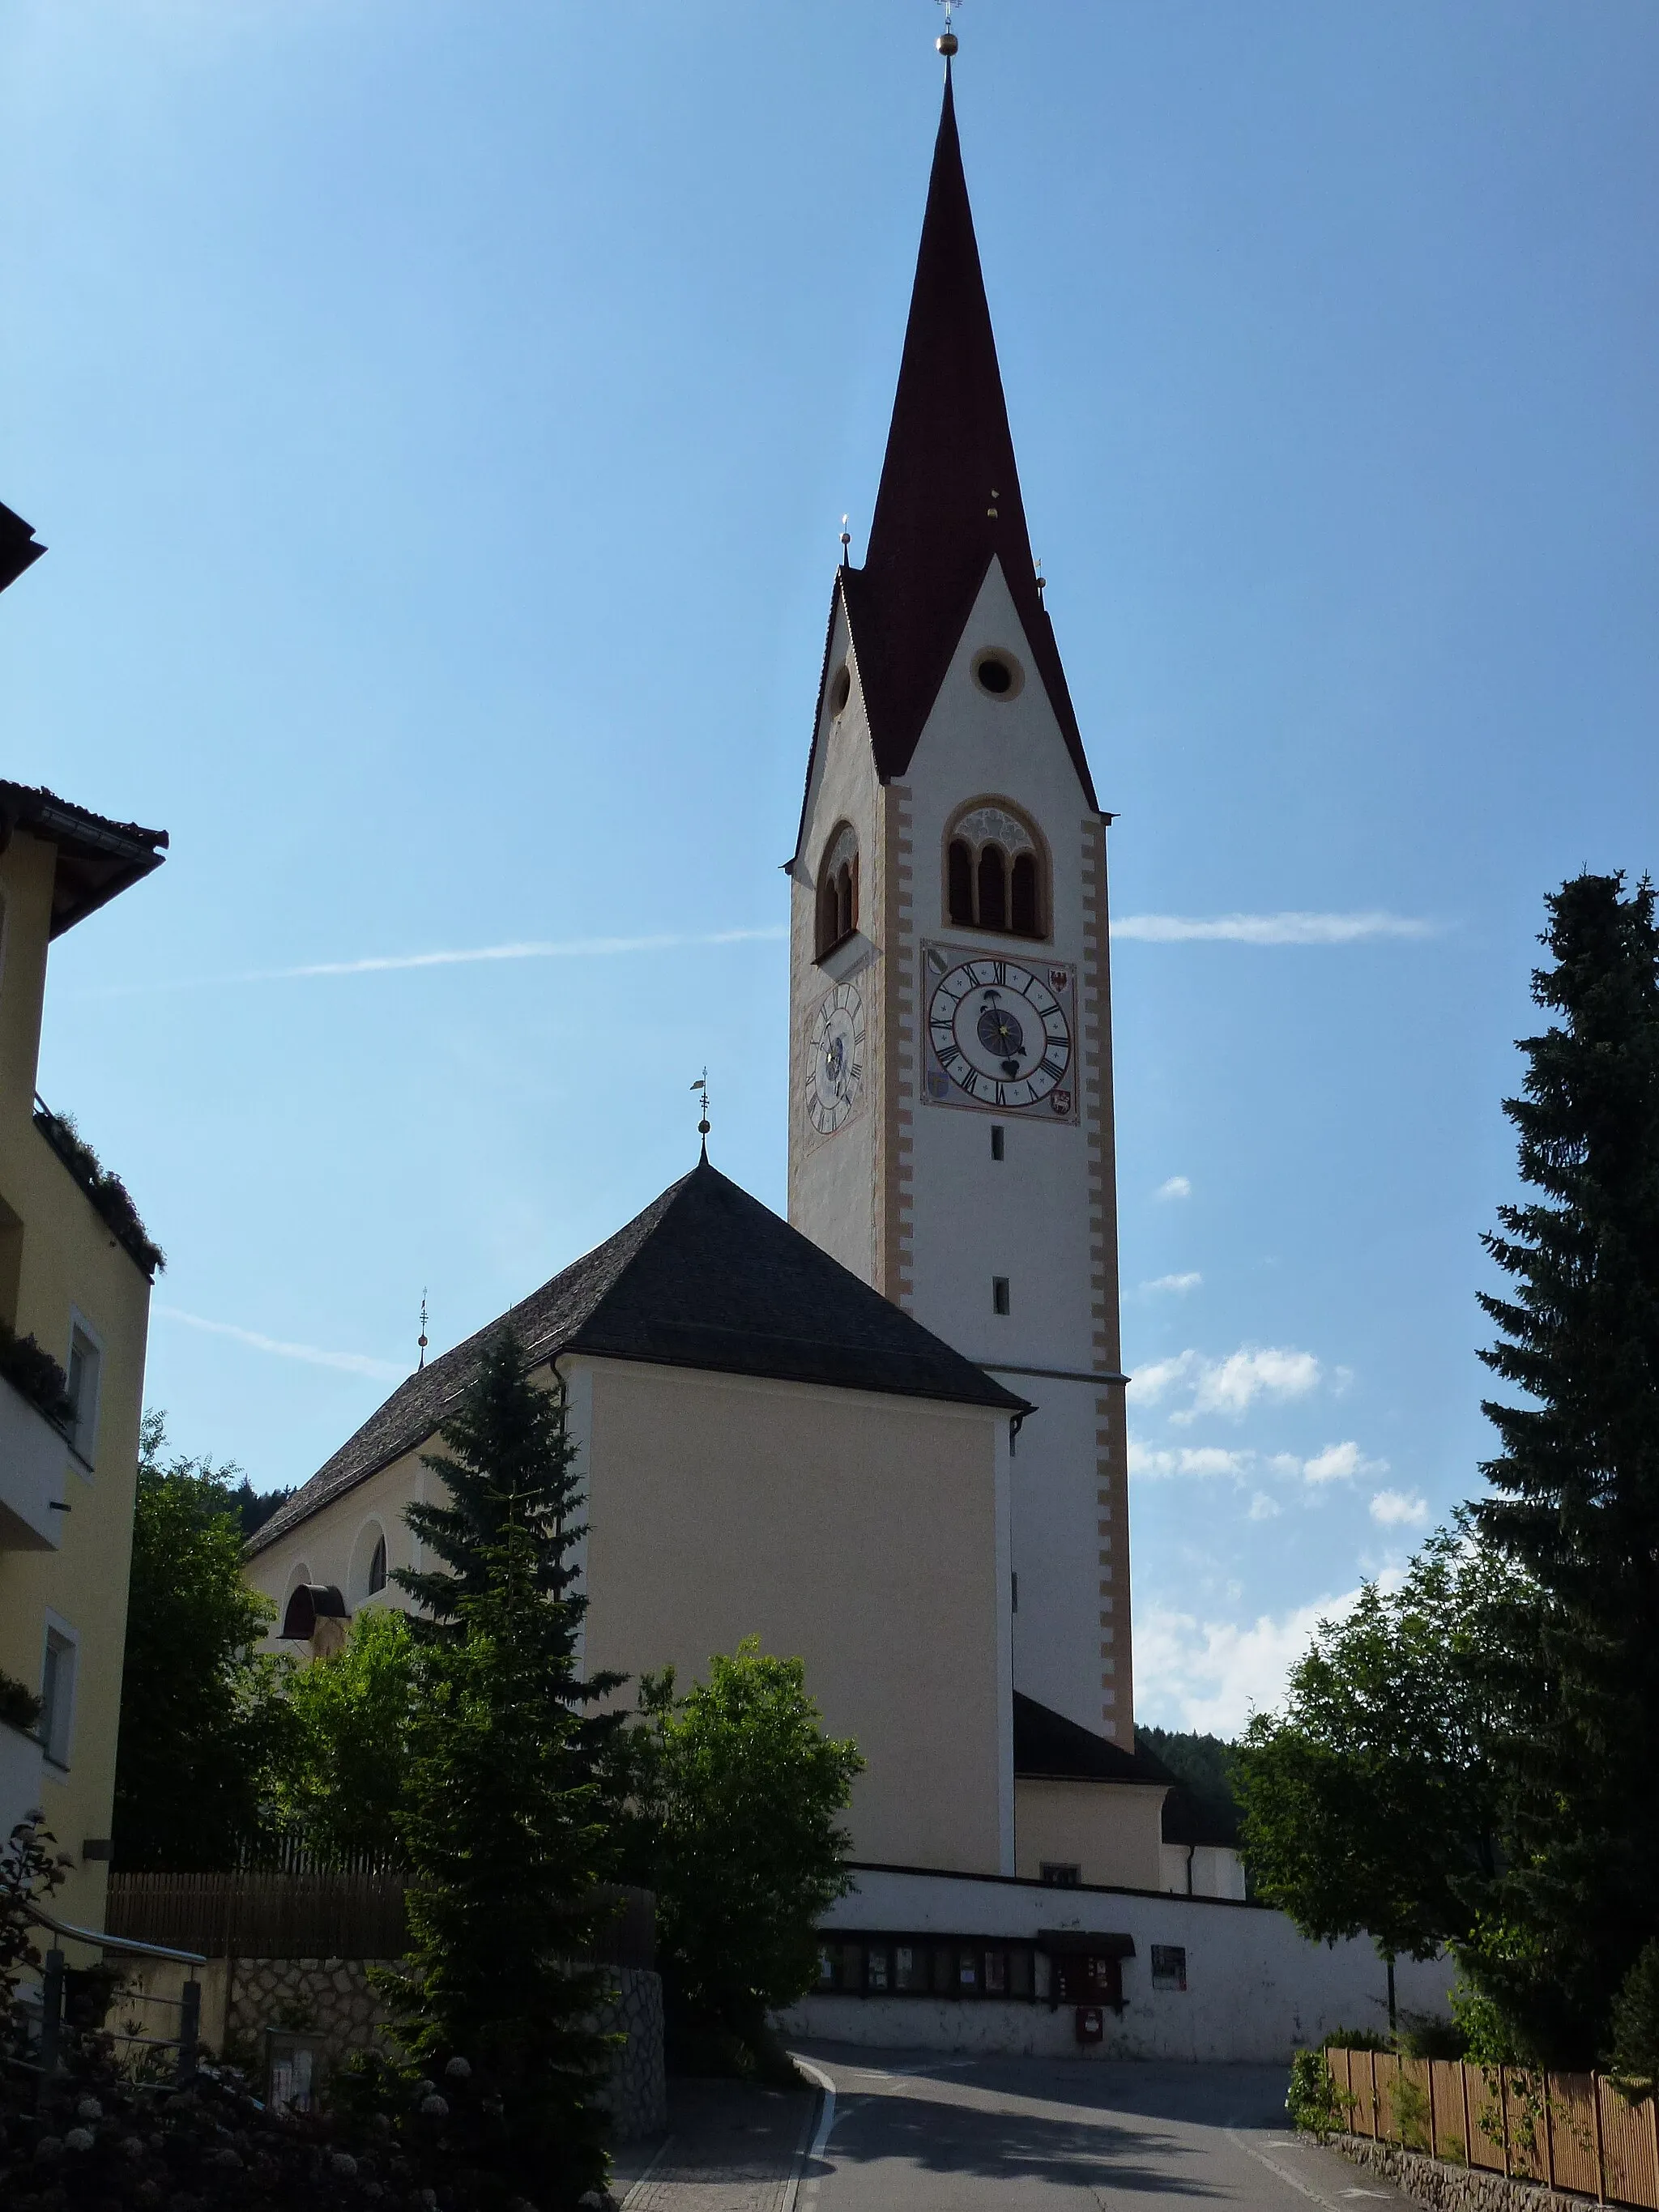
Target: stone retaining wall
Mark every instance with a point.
(1440, 2186)
(332, 1998)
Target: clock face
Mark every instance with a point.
(835, 1060)
(998, 1034)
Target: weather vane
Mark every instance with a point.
(421, 1340)
(701, 1087)
(845, 540)
(947, 43)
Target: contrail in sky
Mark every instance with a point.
(1293, 928)
(349, 1363)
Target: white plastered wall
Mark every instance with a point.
(1043, 1216)
(836, 1181)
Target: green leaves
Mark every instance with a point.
(202, 1721)
(1574, 1501)
(736, 1790)
(1370, 1804)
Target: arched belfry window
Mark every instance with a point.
(996, 876)
(838, 889)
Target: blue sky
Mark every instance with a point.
(442, 419)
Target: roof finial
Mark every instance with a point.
(845, 540)
(702, 1086)
(947, 43)
(421, 1340)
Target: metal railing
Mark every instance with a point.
(54, 1982)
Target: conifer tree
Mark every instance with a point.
(501, 1827)
(1575, 1491)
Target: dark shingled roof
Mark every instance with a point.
(950, 462)
(705, 1276)
(1048, 1748)
(19, 547)
(96, 859)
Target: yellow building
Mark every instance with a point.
(75, 1269)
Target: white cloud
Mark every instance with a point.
(349, 1363)
(1179, 1284)
(1231, 1385)
(1213, 1674)
(1341, 1463)
(1162, 1374)
(1177, 1187)
(1269, 929)
(1393, 1508)
(1151, 1463)
(1263, 1507)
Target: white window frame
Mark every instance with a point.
(84, 1439)
(59, 1716)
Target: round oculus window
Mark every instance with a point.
(998, 674)
(841, 688)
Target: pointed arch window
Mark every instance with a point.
(996, 873)
(377, 1567)
(838, 891)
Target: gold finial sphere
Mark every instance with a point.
(946, 44)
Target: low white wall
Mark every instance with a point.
(1256, 1989)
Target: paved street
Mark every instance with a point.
(912, 2134)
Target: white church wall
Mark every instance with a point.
(1201, 1870)
(327, 1545)
(857, 1531)
(835, 1178)
(1256, 1990)
(1110, 1832)
(1039, 1215)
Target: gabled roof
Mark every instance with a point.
(949, 499)
(1049, 1748)
(706, 1277)
(96, 859)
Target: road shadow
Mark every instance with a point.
(1107, 2127)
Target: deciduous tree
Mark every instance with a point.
(736, 1791)
(202, 1721)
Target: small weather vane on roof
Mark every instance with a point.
(947, 43)
(701, 1087)
(421, 1339)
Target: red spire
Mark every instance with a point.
(949, 494)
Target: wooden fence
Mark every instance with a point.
(265, 1914)
(1569, 2131)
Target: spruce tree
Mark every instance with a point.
(500, 1826)
(1575, 1491)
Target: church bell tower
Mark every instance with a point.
(950, 1074)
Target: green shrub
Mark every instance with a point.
(1317, 2101)
(35, 1375)
(1426, 2035)
(18, 1703)
(1356, 2038)
(1636, 2027)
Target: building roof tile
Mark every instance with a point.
(705, 1276)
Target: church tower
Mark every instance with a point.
(951, 1075)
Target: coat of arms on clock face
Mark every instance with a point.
(1001, 1035)
(835, 1061)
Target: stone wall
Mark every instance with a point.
(332, 1998)
(1441, 2187)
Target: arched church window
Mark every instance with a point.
(961, 886)
(1023, 896)
(377, 1567)
(838, 891)
(992, 887)
(996, 871)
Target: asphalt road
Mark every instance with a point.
(910, 2133)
